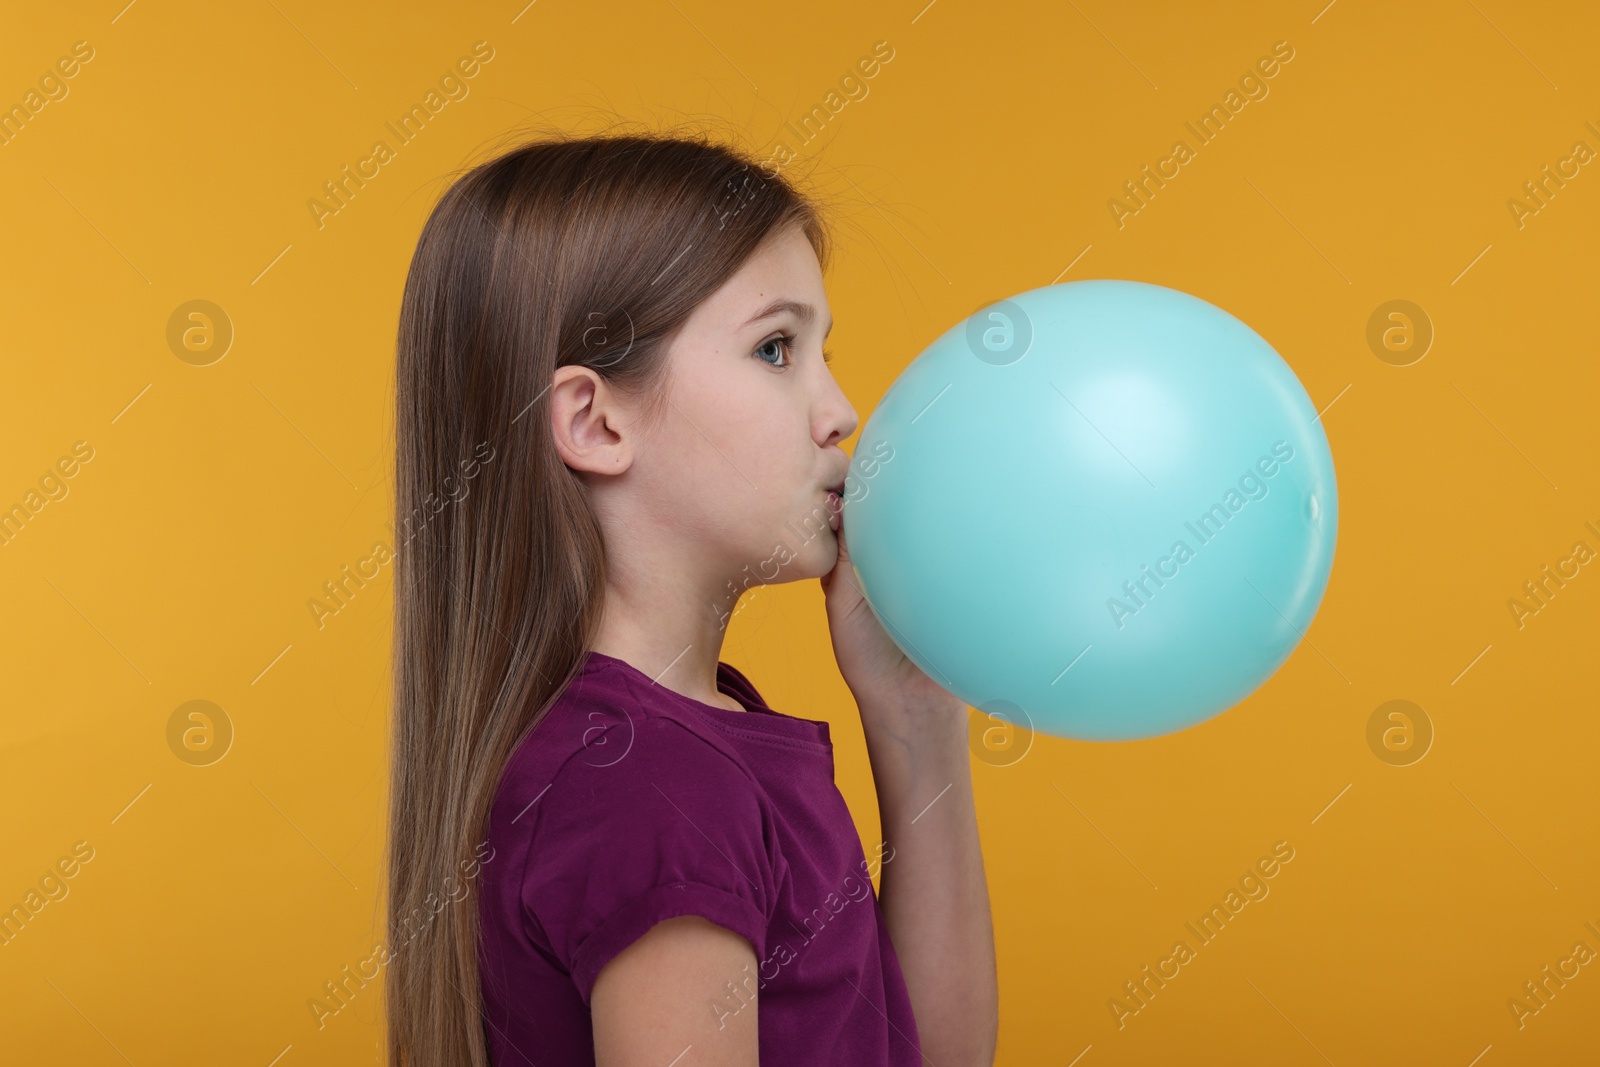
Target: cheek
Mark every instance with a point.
(726, 480)
(789, 507)
(769, 443)
(737, 451)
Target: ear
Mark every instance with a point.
(587, 420)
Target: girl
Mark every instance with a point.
(613, 415)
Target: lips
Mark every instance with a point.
(835, 504)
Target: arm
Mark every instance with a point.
(934, 895)
(669, 992)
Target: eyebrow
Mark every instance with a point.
(804, 312)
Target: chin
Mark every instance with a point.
(812, 559)
(789, 558)
(818, 557)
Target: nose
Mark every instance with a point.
(836, 417)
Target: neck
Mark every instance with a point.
(677, 652)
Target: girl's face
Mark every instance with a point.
(730, 481)
(749, 443)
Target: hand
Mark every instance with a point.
(880, 676)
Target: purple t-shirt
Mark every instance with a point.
(630, 804)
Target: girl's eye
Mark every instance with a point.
(786, 341)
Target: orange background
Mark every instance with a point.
(979, 164)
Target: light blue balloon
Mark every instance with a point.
(1104, 510)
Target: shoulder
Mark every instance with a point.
(626, 757)
(634, 816)
(614, 760)
(607, 738)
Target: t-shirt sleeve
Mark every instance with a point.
(672, 827)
